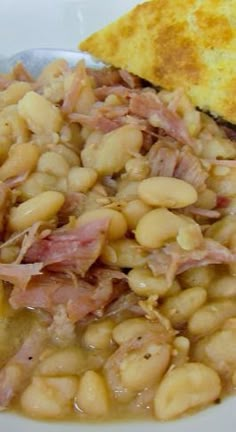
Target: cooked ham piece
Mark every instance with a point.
(13, 182)
(231, 163)
(75, 88)
(162, 161)
(128, 302)
(119, 90)
(73, 205)
(190, 169)
(20, 73)
(104, 118)
(73, 250)
(147, 104)
(106, 76)
(171, 260)
(29, 238)
(15, 375)
(171, 162)
(80, 297)
(211, 214)
(19, 274)
(97, 122)
(131, 80)
(230, 132)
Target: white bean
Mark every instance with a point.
(143, 283)
(211, 316)
(181, 351)
(49, 397)
(53, 163)
(69, 155)
(157, 227)
(218, 351)
(98, 335)
(13, 93)
(222, 287)
(36, 183)
(190, 237)
(207, 199)
(180, 307)
(167, 192)
(222, 148)
(197, 276)
(223, 230)
(144, 367)
(22, 159)
(133, 327)
(68, 361)
(81, 179)
(127, 190)
(133, 211)
(114, 150)
(92, 396)
(41, 115)
(126, 253)
(42, 207)
(137, 168)
(183, 388)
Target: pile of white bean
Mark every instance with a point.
(115, 368)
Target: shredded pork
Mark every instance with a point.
(73, 250)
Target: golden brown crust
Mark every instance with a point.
(189, 44)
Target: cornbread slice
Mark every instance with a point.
(177, 43)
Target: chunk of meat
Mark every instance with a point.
(73, 205)
(109, 285)
(106, 76)
(15, 375)
(206, 213)
(96, 122)
(62, 331)
(20, 73)
(162, 161)
(190, 169)
(119, 90)
(171, 260)
(19, 274)
(148, 105)
(128, 302)
(230, 163)
(80, 297)
(169, 161)
(79, 82)
(104, 118)
(13, 182)
(132, 81)
(28, 240)
(230, 132)
(72, 250)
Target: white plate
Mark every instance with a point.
(61, 24)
